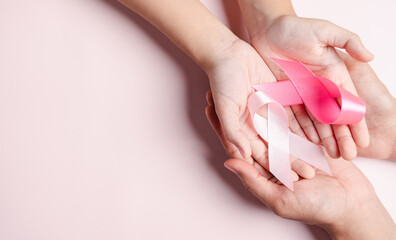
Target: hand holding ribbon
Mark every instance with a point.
(318, 96)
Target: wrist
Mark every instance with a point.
(188, 24)
(259, 14)
(370, 221)
(221, 40)
(393, 155)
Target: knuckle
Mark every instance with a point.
(345, 137)
(299, 114)
(232, 152)
(327, 137)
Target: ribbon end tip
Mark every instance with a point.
(328, 172)
(290, 186)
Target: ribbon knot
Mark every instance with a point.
(318, 95)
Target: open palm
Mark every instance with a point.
(238, 68)
(381, 109)
(334, 202)
(321, 200)
(312, 42)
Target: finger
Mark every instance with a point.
(295, 176)
(229, 148)
(228, 116)
(258, 145)
(273, 179)
(209, 97)
(303, 169)
(264, 172)
(346, 144)
(265, 190)
(306, 123)
(339, 37)
(338, 73)
(327, 137)
(360, 133)
(260, 152)
(294, 125)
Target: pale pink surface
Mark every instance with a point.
(85, 154)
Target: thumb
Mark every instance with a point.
(339, 37)
(265, 190)
(229, 121)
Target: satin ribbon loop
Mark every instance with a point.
(318, 94)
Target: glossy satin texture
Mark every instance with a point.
(318, 94)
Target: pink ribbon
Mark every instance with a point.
(318, 95)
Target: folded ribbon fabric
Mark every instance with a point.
(318, 95)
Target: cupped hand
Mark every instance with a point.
(344, 204)
(313, 42)
(381, 110)
(236, 69)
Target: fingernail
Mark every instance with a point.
(368, 51)
(231, 169)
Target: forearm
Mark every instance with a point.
(393, 156)
(371, 222)
(188, 24)
(258, 13)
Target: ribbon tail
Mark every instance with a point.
(278, 144)
(278, 158)
(282, 142)
(276, 132)
(308, 152)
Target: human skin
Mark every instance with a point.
(381, 110)
(344, 204)
(276, 31)
(231, 64)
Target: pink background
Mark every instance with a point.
(86, 154)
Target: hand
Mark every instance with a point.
(231, 76)
(381, 110)
(231, 64)
(344, 204)
(311, 41)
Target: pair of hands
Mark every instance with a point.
(345, 204)
(241, 65)
(233, 66)
(335, 203)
